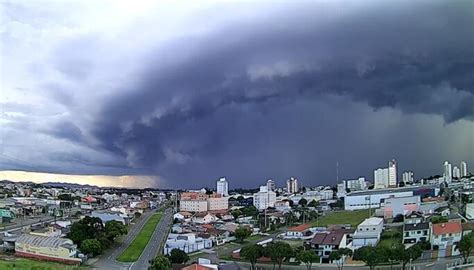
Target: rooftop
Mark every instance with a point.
(299, 228)
(332, 238)
(389, 190)
(414, 227)
(43, 241)
(371, 221)
(448, 227)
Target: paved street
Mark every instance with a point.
(154, 245)
(108, 259)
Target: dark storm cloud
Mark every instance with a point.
(415, 58)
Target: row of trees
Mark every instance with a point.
(92, 236)
(373, 256)
(162, 262)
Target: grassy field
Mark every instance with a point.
(342, 217)
(390, 237)
(133, 251)
(26, 264)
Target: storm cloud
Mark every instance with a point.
(255, 91)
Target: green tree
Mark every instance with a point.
(178, 256)
(86, 228)
(160, 263)
(252, 253)
(113, 229)
(91, 246)
(412, 253)
(340, 256)
(308, 257)
(241, 233)
(65, 197)
(439, 219)
(313, 203)
(465, 246)
(278, 251)
(303, 202)
(236, 213)
(370, 255)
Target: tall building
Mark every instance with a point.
(223, 187)
(356, 184)
(292, 185)
(463, 169)
(407, 177)
(264, 198)
(448, 172)
(271, 185)
(381, 178)
(456, 172)
(392, 173)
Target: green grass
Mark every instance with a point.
(26, 264)
(133, 251)
(390, 237)
(342, 217)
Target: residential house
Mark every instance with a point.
(416, 232)
(467, 228)
(326, 242)
(188, 243)
(445, 236)
(394, 206)
(203, 218)
(299, 232)
(414, 218)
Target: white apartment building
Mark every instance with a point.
(392, 173)
(407, 177)
(381, 178)
(221, 203)
(292, 185)
(456, 172)
(463, 169)
(223, 187)
(193, 205)
(356, 184)
(447, 172)
(264, 198)
(271, 185)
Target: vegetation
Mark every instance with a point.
(372, 256)
(27, 264)
(251, 253)
(439, 219)
(133, 251)
(313, 203)
(353, 218)
(396, 253)
(339, 256)
(412, 253)
(278, 252)
(92, 228)
(466, 246)
(308, 257)
(303, 202)
(178, 256)
(241, 233)
(160, 263)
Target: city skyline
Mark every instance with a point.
(242, 90)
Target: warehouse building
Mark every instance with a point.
(47, 248)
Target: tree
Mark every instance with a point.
(236, 213)
(160, 263)
(412, 253)
(252, 253)
(303, 202)
(91, 246)
(399, 218)
(86, 228)
(178, 256)
(313, 203)
(465, 246)
(308, 257)
(137, 214)
(439, 219)
(113, 229)
(278, 251)
(340, 256)
(370, 255)
(241, 233)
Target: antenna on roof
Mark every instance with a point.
(337, 172)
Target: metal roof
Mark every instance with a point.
(43, 241)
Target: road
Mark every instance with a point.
(154, 245)
(108, 259)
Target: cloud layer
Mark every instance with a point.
(245, 90)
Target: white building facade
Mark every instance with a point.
(264, 198)
(193, 205)
(292, 185)
(407, 177)
(381, 178)
(223, 187)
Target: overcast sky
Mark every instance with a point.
(180, 94)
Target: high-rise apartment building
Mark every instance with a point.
(456, 172)
(392, 173)
(223, 187)
(271, 185)
(264, 198)
(407, 177)
(381, 178)
(292, 185)
(463, 169)
(447, 172)
(356, 184)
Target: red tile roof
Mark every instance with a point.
(299, 228)
(448, 227)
